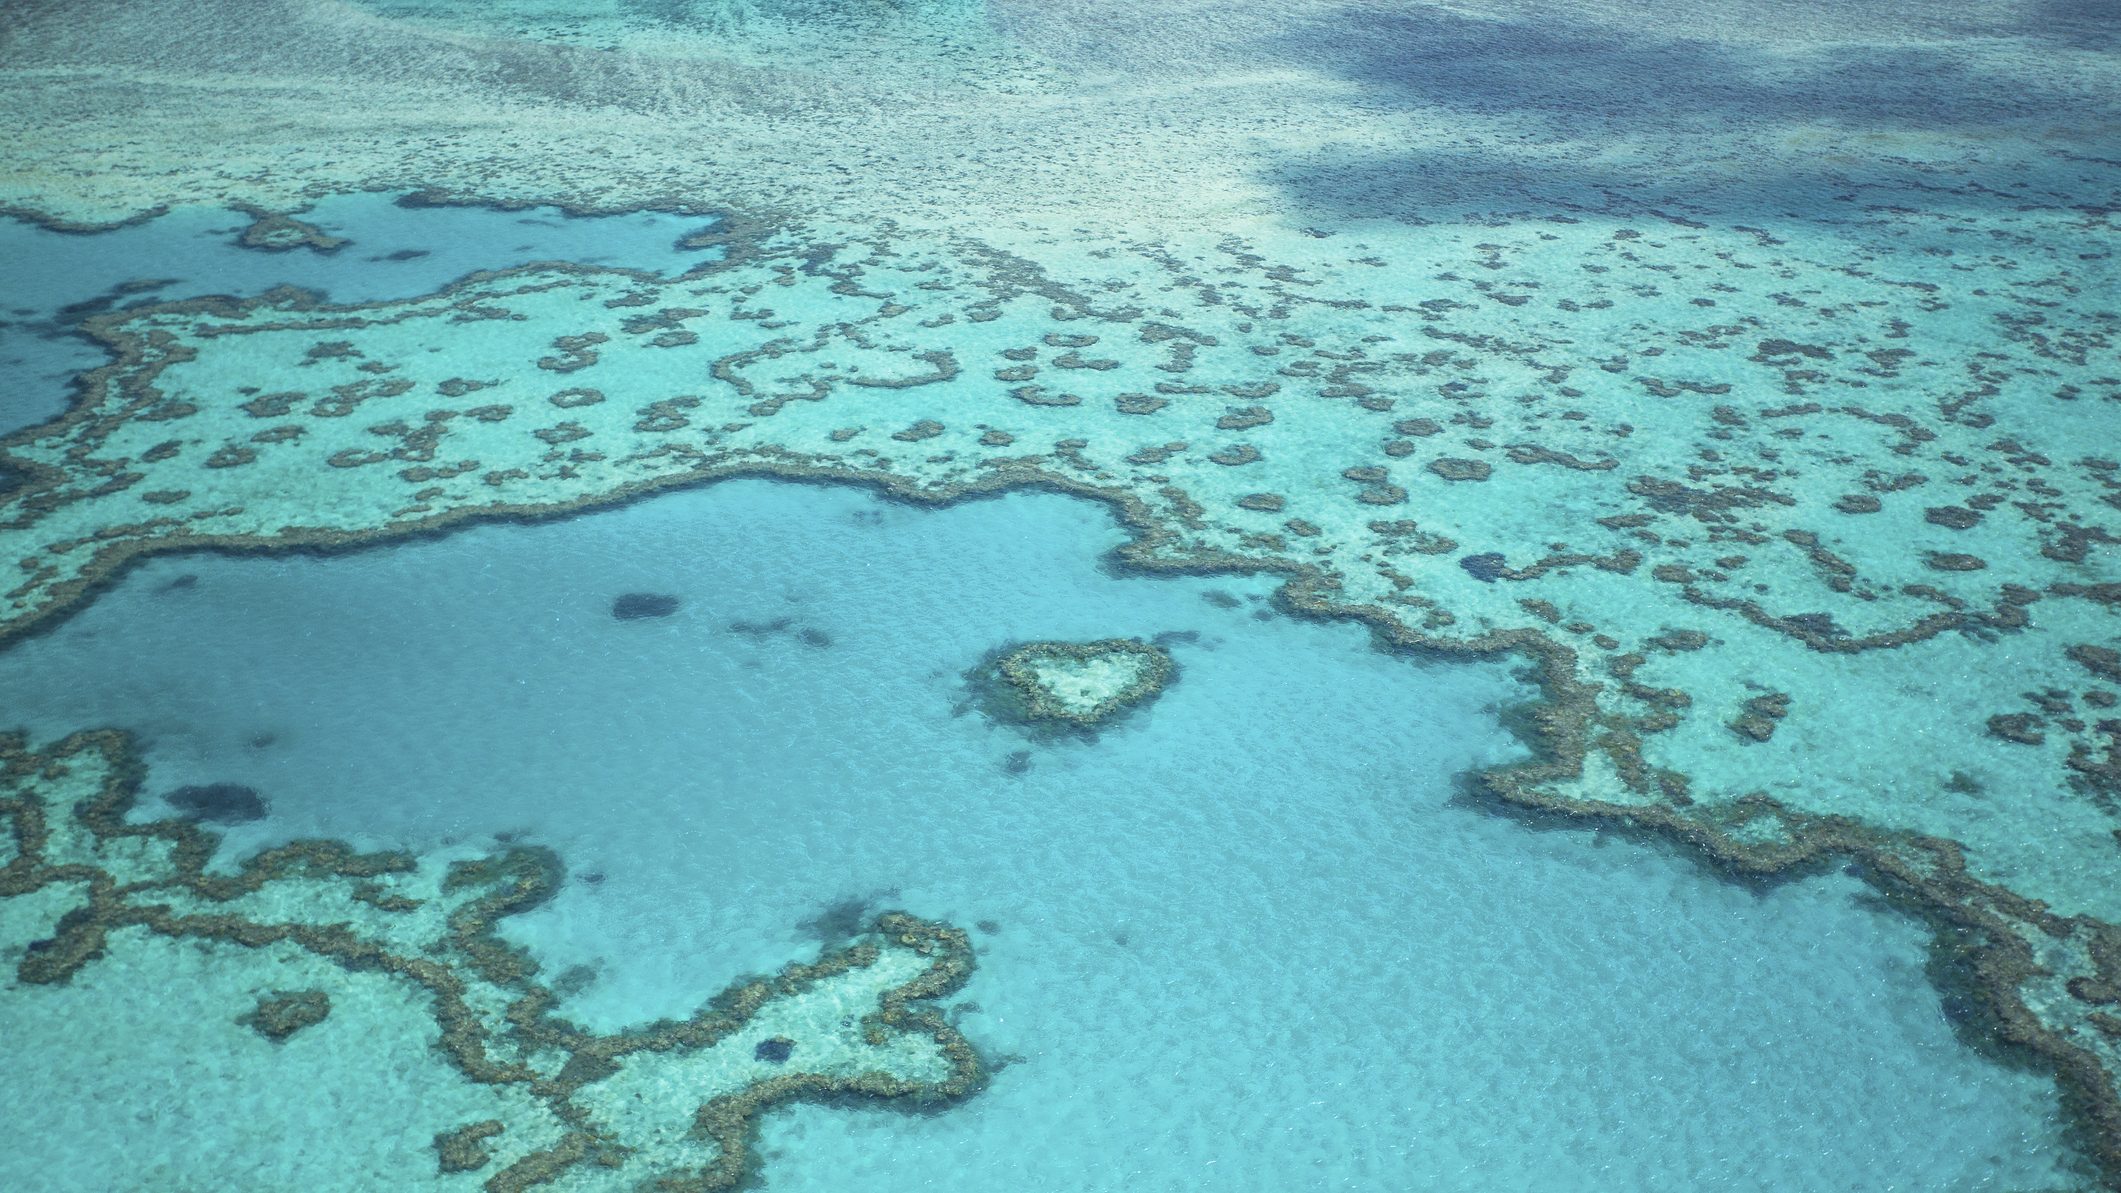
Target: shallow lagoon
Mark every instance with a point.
(393, 250)
(1246, 936)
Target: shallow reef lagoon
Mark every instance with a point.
(1253, 935)
(985, 595)
(54, 280)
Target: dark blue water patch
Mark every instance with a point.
(1595, 77)
(392, 250)
(1576, 87)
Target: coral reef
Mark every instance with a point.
(284, 1012)
(1772, 403)
(1079, 684)
(671, 1103)
(218, 803)
(280, 232)
(464, 1149)
(1658, 600)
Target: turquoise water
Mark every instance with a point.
(1702, 343)
(1245, 939)
(55, 279)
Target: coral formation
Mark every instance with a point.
(284, 1012)
(280, 232)
(464, 1149)
(1082, 685)
(218, 803)
(672, 1103)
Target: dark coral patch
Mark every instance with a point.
(285, 1012)
(2020, 727)
(218, 803)
(2102, 661)
(1487, 566)
(1452, 468)
(778, 1049)
(761, 629)
(636, 606)
(1761, 715)
(464, 1149)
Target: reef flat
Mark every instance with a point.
(397, 957)
(1757, 382)
(1100, 115)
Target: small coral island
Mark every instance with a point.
(1081, 685)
